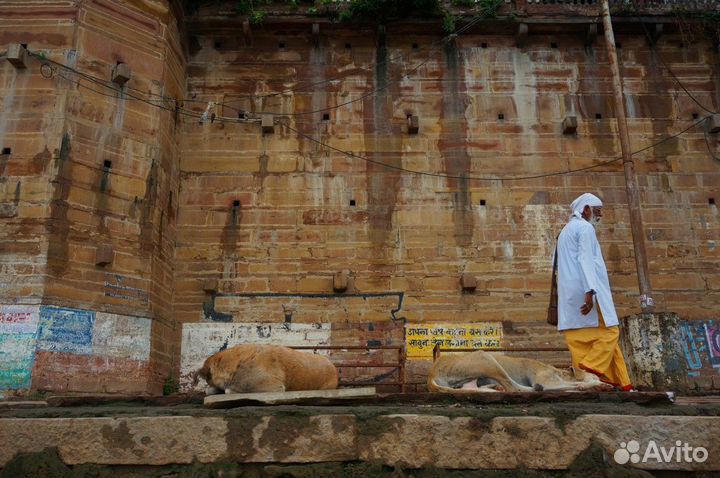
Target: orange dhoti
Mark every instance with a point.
(596, 350)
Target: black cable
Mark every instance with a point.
(129, 96)
(95, 79)
(478, 18)
(481, 178)
(349, 154)
(126, 95)
(380, 163)
(370, 93)
(386, 60)
(193, 114)
(652, 47)
(387, 84)
(710, 151)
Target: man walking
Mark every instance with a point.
(586, 312)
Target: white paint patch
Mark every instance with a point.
(630, 106)
(201, 340)
(508, 249)
(524, 96)
(19, 319)
(121, 336)
(538, 225)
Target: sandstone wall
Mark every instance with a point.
(92, 166)
(215, 224)
(278, 215)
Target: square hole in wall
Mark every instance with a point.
(6, 151)
(348, 46)
(107, 165)
(501, 116)
(483, 45)
(352, 202)
(681, 45)
(218, 44)
(482, 202)
(326, 116)
(618, 45)
(553, 45)
(711, 201)
(281, 45)
(236, 203)
(695, 116)
(598, 116)
(415, 46)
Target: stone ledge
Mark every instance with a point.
(400, 440)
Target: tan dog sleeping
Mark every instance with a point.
(254, 368)
(481, 371)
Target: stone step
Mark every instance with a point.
(470, 438)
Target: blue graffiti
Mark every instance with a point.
(701, 345)
(65, 330)
(690, 348)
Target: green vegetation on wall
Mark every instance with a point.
(379, 11)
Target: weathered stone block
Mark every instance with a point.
(267, 124)
(124, 441)
(103, 255)
(654, 351)
(17, 55)
(413, 124)
(210, 286)
(468, 282)
(341, 280)
(121, 74)
(569, 125)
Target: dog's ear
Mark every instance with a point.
(203, 372)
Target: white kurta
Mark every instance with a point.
(581, 267)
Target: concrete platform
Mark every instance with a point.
(442, 437)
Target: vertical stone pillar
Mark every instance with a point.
(652, 344)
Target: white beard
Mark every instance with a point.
(594, 220)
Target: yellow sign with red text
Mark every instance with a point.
(420, 339)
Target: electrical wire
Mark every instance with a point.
(91, 79)
(193, 114)
(677, 80)
(478, 17)
(380, 163)
(386, 85)
(369, 94)
(710, 151)
(300, 87)
(97, 81)
(487, 178)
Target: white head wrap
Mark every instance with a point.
(586, 199)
